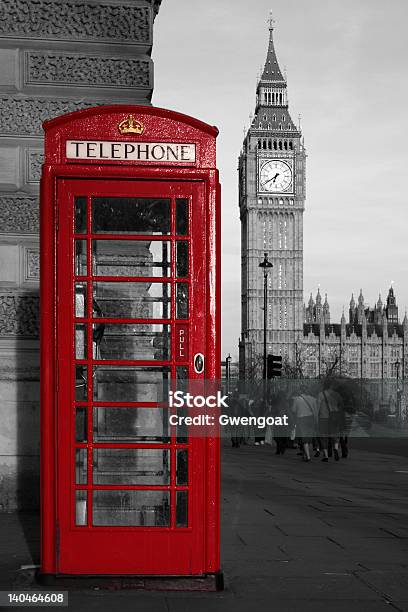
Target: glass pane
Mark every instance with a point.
(130, 425)
(132, 384)
(182, 467)
(81, 468)
(98, 332)
(80, 299)
(182, 301)
(182, 509)
(80, 214)
(133, 466)
(182, 217)
(133, 300)
(182, 428)
(80, 508)
(127, 508)
(80, 258)
(182, 259)
(81, 424)
(131, 215)
(181, 385)
(136, 341)
(131, 258)
(80, 341)
(81, 377)
(181, 377)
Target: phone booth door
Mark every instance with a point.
(130, 492)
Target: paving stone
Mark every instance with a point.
(337, 586)
(394, 584)
(281, 605)
(331, 539)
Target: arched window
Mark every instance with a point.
(264, 144)
(280, 145)
(260, 124)
(259, 144)
(269, 126)
(289, 126)
(285, 145)
(283, 118)
(275, 145)
(280, 126)
(290, 145)
(269, 144)
(274, 117)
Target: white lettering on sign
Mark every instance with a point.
(137, 151)
(182, 340)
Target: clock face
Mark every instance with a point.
(275, 176)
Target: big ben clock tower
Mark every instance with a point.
(271, 202)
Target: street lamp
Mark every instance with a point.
(266, 266)
(228, 371)
(397, 365)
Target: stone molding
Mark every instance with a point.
(21, 374)
(24, 116)
(19, 315)
(31, 264)
(34, 161)
(19, 215)
(85, 70)
(76, 20)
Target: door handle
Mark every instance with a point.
(198, 363)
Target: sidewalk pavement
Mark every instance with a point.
(295, 537)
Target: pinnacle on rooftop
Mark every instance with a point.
(272, 71)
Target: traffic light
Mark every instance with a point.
(274, 366)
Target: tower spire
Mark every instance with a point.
(271, 72)
(271, 21)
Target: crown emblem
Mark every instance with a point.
(130, 125)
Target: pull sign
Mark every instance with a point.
(198, 363)
(181, 343)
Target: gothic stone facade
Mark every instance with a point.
(271, 202)
(372, 344)
(55, 57)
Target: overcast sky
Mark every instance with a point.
(346, 63)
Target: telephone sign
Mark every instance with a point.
(141, 151)
(130, 248)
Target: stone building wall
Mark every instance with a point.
(56, 56)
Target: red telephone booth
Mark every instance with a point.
(130, 214)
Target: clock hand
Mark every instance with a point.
(272, 179)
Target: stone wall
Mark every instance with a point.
(56, 56)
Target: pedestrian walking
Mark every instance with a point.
(236, 431)
(279, 408)
(304, 411)
(348, 392)
(258, 408)
(330, 419)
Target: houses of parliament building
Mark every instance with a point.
(371, 343)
